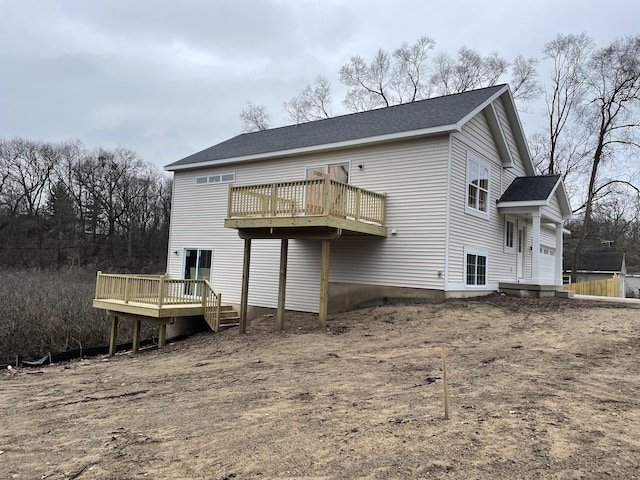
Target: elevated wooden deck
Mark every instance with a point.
(319, 208)
(158, 299)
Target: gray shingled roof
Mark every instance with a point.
(530, 189)
(595, 260)
(424, 114)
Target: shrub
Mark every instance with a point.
(45, 311)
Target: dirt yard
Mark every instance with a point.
(537, 389)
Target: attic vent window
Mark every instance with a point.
(213, 179)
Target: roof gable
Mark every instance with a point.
(434, 115)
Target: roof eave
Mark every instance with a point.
(518, 131)
(527, 203)
(442, 129)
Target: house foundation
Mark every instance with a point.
(529, 290)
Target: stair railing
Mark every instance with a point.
(211, 303)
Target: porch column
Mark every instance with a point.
(244, 298)
(282, 285)
(535, 248)
(559, 254)
(324, 284)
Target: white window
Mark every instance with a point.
(509, 235)
(477, 186)
(475, 265)
(213, 179)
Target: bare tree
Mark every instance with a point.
(569, 55)
(469, 71)
(254, 118)
(388, 79)
(313, 103)
(28, 168)
(524, 78)
(410, 80)
(611, 113)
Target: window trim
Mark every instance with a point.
(509, 238)
(478, 252)
(211, 179)
(472, 159)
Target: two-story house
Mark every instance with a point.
(432, 199)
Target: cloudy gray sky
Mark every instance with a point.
(169, 78)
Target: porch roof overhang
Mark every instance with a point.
(528, 210)
(531, 196)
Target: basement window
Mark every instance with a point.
(475, 263)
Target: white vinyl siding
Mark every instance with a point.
(412, 174)
(476, 137)
(423, 199)
(414, 177)
(510, 139)
(463, 226)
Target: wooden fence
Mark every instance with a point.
(610, 287)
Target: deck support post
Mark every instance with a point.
(113, 338)
(135, 344)
(324, 284)
(244, 299)
(162, 335)
(282, 284)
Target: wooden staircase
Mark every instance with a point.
(228, 317)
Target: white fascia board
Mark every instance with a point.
(530, 203)
(481, 107)
(322, 147)
(563, 199)
(501, 141)
(518, 132)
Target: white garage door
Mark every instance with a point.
(547, 265)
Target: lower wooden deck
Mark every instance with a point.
(148, 310)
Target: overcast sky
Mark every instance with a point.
(169, 78)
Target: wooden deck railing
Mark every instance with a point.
(157, 291)
(305, 198)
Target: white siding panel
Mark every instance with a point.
(414, 178)
(477, 130)
(411, 173)
(507, 130)
(469, 230)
